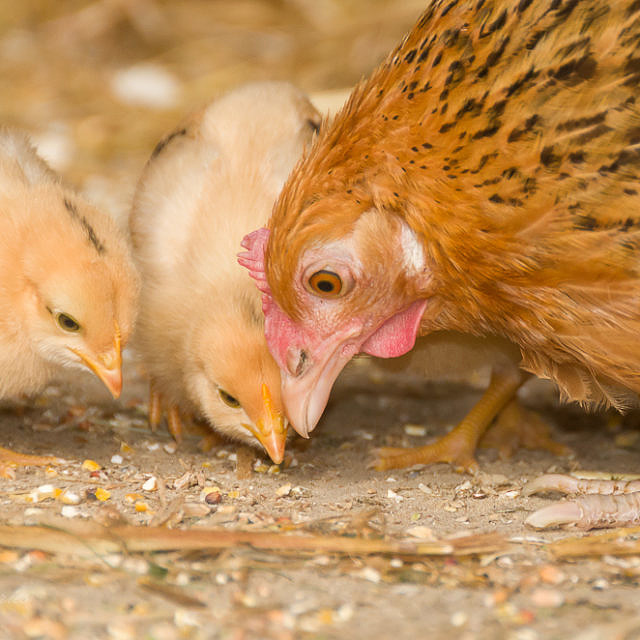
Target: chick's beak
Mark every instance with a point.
(107, 365)
(271, 428)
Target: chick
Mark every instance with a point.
(69, 285)
(201, 329)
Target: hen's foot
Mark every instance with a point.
(458, 447)
(519, 428)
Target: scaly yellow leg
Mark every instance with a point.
(9, 458)
(458, 447)
(155, 408)
(174, 423)
(519, 428)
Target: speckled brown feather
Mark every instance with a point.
(507, 135)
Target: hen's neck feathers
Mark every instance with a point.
(507, 136)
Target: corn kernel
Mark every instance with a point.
(102, 494)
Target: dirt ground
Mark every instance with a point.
(331, 549)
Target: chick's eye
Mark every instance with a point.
(67, 323)
(228, 399)
(325, 283)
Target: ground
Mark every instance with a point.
(453, 557)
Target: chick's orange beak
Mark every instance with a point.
(271, 428)
(107, 366)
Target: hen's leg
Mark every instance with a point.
(519, 428)
(458, 447)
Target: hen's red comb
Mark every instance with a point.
(252, 259)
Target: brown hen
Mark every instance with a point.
(484, 179)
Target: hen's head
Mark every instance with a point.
(80, 287)
(341, 289)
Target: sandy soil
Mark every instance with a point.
(514, 587)
(60, 63)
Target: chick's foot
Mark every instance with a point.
(157, 407)
(9, 459)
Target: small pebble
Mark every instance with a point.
(117, 459)
(423, 533)
(415, 430)
(69, 511)
(151, 484)
(600, 584)
(284, 490)
(547, 598)
(551, 574)
(69, 497)
(459, 619)
(170, 447)
(370, 574)
(147, 85)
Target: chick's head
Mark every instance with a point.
(233, 378)
(81, 289)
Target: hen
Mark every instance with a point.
(484, 180)
(69, 286)
(201, 331)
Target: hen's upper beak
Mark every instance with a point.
(307, 383)
(107, 366)
(271, 428)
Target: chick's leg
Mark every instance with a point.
(155, 408)
(458, 447)
(174, 419)
(9, 458)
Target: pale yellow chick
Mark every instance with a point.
(68, 286)
(201, 328)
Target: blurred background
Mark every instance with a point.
(98, 83)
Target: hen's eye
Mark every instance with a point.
(67, 323)
(325, 283)
(228, 399)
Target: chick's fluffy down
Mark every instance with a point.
(206, 185)
(69, 286)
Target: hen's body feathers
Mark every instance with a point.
(504, 139)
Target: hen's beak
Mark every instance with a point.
(107, 366)
(271, 428)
